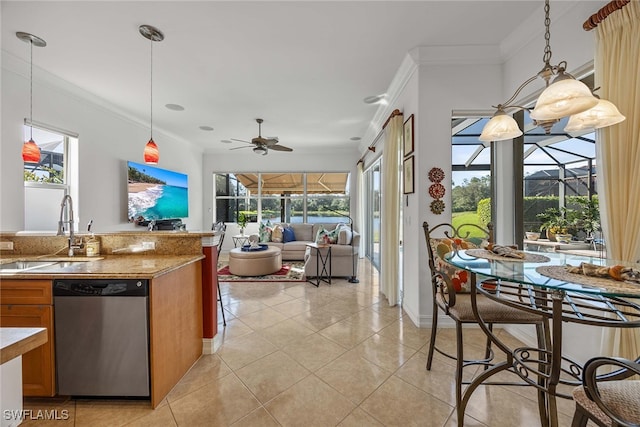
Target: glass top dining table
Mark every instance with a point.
(545, 284)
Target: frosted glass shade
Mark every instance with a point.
(501, 126)
(563, 98)
(602, 115)
(151, 153)
(30, 152)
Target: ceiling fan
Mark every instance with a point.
(262, 145)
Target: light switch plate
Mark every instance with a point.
(6, 246)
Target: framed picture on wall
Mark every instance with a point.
(408, 136)
(408, 175)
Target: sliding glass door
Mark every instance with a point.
(372, 213)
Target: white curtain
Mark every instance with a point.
(390, 215)
(360, 191)
(617, 70)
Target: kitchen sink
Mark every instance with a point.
(22, 266)
(19, 266)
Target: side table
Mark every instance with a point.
(240, 240)
(322, 274)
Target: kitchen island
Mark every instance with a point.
(175, 302)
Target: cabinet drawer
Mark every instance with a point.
(21, 292)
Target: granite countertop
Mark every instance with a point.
(17, 341)
(103, 267)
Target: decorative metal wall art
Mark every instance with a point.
(436, 190)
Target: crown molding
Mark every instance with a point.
(407, 68)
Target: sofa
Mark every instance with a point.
(344, 253)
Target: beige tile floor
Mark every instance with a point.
(296, 355)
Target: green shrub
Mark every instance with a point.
(484, 212)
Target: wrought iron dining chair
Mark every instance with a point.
(609, 400)
(220, 228)
(450, 291)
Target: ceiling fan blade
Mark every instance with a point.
(240, 140)
(238, 148)
(280, 148)
(270, 142)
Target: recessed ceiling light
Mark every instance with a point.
(225, 141)
(207, 128)
(175, 107)
(374, 99)
(355, 138)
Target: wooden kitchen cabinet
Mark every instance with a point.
(29, 303)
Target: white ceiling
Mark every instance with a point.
(303, 66)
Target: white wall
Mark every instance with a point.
(107, 139)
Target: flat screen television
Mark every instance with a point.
(155, 193)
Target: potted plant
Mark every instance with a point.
(554, 221)
(588, 216)
(242, 222)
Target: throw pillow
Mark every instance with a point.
(459, 278)
(333, 235)
(344, 234)
(288, 235)
(325, 236)
(264, 230)
(276, 234)
(322, 236)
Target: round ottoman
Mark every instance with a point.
(254, 263)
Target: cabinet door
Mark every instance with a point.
(38, 366)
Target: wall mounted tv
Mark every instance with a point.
(155, 193)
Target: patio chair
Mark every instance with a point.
(450, 293)
(608, 400)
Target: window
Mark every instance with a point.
(53, 148)
(46, 183)
(471, 173)
(559, 172)
(283, 197)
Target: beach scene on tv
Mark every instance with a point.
(155, 193)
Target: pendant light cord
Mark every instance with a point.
(31, 90)
(151, 41)
(546, 58)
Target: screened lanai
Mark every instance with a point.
(557, 165)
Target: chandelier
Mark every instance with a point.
(563, 96)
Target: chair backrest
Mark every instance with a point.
(446, 237)
(471, 233)
(619, 399)
(220, 229)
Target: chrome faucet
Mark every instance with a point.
(74, 243)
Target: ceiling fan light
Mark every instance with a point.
(260, 150)
(151, 153)
(563, 97)
(602, 115)
(501, 126)
(30, 152)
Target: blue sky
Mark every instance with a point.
(176, 179)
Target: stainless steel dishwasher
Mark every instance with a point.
(102, 337)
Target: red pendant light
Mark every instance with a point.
(30, 150)
(151, 151)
